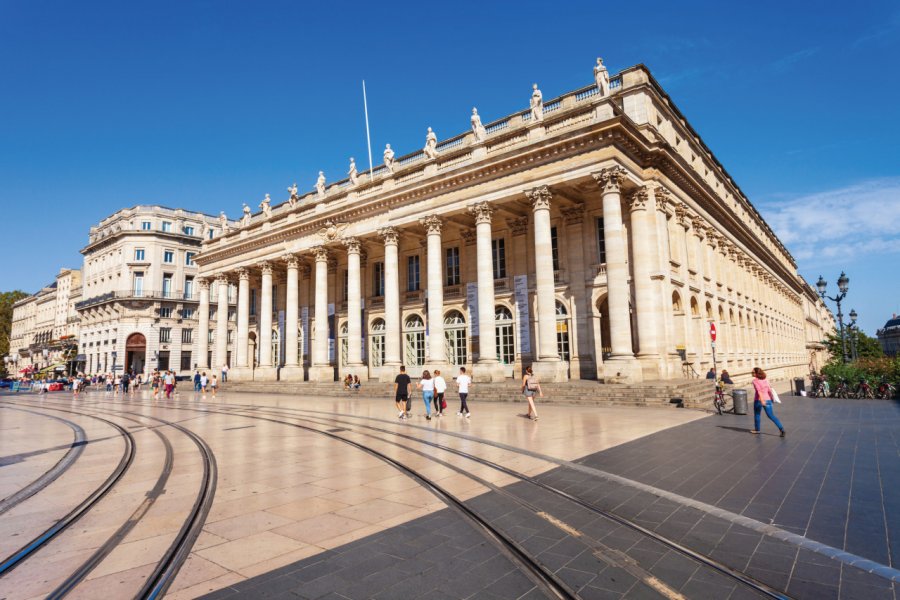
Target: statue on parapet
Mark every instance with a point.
(204, 229)
(223, 222)
(245, 218)
(477, 127)
(601, 76)
(266, 206)
(388, 159)
(320, 185)
(353, 174)
(295, 197)
(537, 105)
(430, 149)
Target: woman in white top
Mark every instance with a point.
(440, 386)
(530, 386)
(426, 384)
(204, 381)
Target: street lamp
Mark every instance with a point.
(854, 331)
(843, 285)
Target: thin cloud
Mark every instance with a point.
(883, 34)
(858, 221)
(786, 62)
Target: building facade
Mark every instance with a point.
(138, 309)
(889, 336)
(819, 322)
(592, 236)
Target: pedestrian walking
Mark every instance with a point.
(214, 385)
(204, 383)
(225, 373)
(463, 383)
(426, 384)
(196, 381)
(154, 384)
(126, 381)
(440, 386)
(401, 393)
(531, 386)
(169, 380)
(762, 400)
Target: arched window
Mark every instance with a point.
(695, 308)
(415, 341)
(345, 350)
(505, 332)
(455, 337)
(709, 311)
(676, 303)
(562, 331)
(276, 348)
(377, 346)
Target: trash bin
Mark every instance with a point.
(740, 401)
(799, 386)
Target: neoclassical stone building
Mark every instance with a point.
(593, 235)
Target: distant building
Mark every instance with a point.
(889, 336)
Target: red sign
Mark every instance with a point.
(712, 331)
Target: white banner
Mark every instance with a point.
(472, 305)
(521, 287)
(304, 320)
(281, 341)
(362, 319)
(332, 326)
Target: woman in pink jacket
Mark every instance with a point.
(762, 400)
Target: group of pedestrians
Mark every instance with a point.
(202, 383)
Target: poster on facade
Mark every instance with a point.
(472, 305)
(331, 332)
(281, 345)
(304, 320)
(362, 319)
(521, 287)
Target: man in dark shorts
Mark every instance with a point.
(401, 393)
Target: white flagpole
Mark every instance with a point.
(368, 138)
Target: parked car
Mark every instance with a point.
(7, 382)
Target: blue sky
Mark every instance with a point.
(207, 105)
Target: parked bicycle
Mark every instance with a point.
(841, 390)
(885, 390)
(863, 391)
(820, 388)
(719, 399)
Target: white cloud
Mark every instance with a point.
(837, 226)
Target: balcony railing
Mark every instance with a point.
(175, 295)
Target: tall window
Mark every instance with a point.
(276, 348)
(167, 285)
(168, 256)
(345, 346)
(165, 335)
(498, 250)
(138, 283)
(346, 284)
(379, 279)
(455, 336)
(188, 230)
(601, 241)
(146, 225)
(188, 287)
(412, 273)
(452, 269)
(377, 342)
(167, 226)
(187, 313)
(506, 345)
(138, 254)
(415, 341)
(253, 302)
(165, 312)
(187, 336)
(211, 233)
(189, 258)
(554, 248)
(562, 331)
(211, 336)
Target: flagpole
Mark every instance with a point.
(368, 138)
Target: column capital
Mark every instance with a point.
(518, 226)
(611, 179)
(683, 215)
(243, 274)
(222, 278)
(320, 252)
(203, 282)
(573, 215)
(390, 235)
(292, 261)
(540, 197)
(482, 212)
(266, 267)
(639, 198)
(664, 200)
(698, 226)
(469, 236)
(433, 224)
(354, 246)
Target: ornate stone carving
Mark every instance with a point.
(639, 198)
(518, 226)
(698, 226)
(223, 222)
(202, 282)
(390, 235)
(320, 185)
(266, 206)
(477, 128)
(243, 274)
(664, 200)
(332, 264)
(683, 216)
(332, 231)
(353, 174)
(573, 215)
(353, 245)
(536, 104)
(469, 236)
(305, 271)
(601, 77)
(295, 197)
(430, 149)
(292, 261)
(388, 159)
(611, 179)
(539, 197)
(320, 253)
(245, 217)
(433, 224)
(265, 267)
(222, 278)
(482, 212)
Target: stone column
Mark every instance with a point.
(646, 299)
(436, 345)
(354, 365)
(266, 370)
(621, 365)
(696, 241)
(487, 368)
(321, 369)
(203, 324)
(548, 366)
(243, 371)
(221, 357)
(392, 357)
(292, 370)
(582, 364)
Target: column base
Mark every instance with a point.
(622, 370)
(360, 370)
(322, 373)
(240, 374)
(292, 373)
(388, 372)
(265, 374)
(488, 371)
(550, 371)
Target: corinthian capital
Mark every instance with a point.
(243, 274)
(432, 224)
(482, 212)
(202, 282)
(353, 245)
(698, 226)
(611, 178)
(540, 197)
(292, 261)
(390, 235)
(266, 267)
(222, 278)
(639, 198)
(320, 252)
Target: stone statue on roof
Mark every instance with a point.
(601, 76)
(245, 218)
(388, 158)
(352, 173)
(430, 149)
(266, 206)
(320, 185)
(537, 104)
(223, 222)
(477, 127)
(295, 197)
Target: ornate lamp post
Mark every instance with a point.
(854, 331)
(843, 285)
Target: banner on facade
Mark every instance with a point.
(472, 306)
(331, 332)
(362, 319)
(304, 320)
(521, 291)
(281, 341)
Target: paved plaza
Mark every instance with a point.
(273, 496)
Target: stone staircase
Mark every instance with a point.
(695, 393)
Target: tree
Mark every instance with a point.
(866, 347)
(7, 299)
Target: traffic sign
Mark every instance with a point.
(712, 331)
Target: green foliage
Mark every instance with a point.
(866, 347)
(872, 369)
(7, 299)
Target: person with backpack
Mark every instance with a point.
(530, 387)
